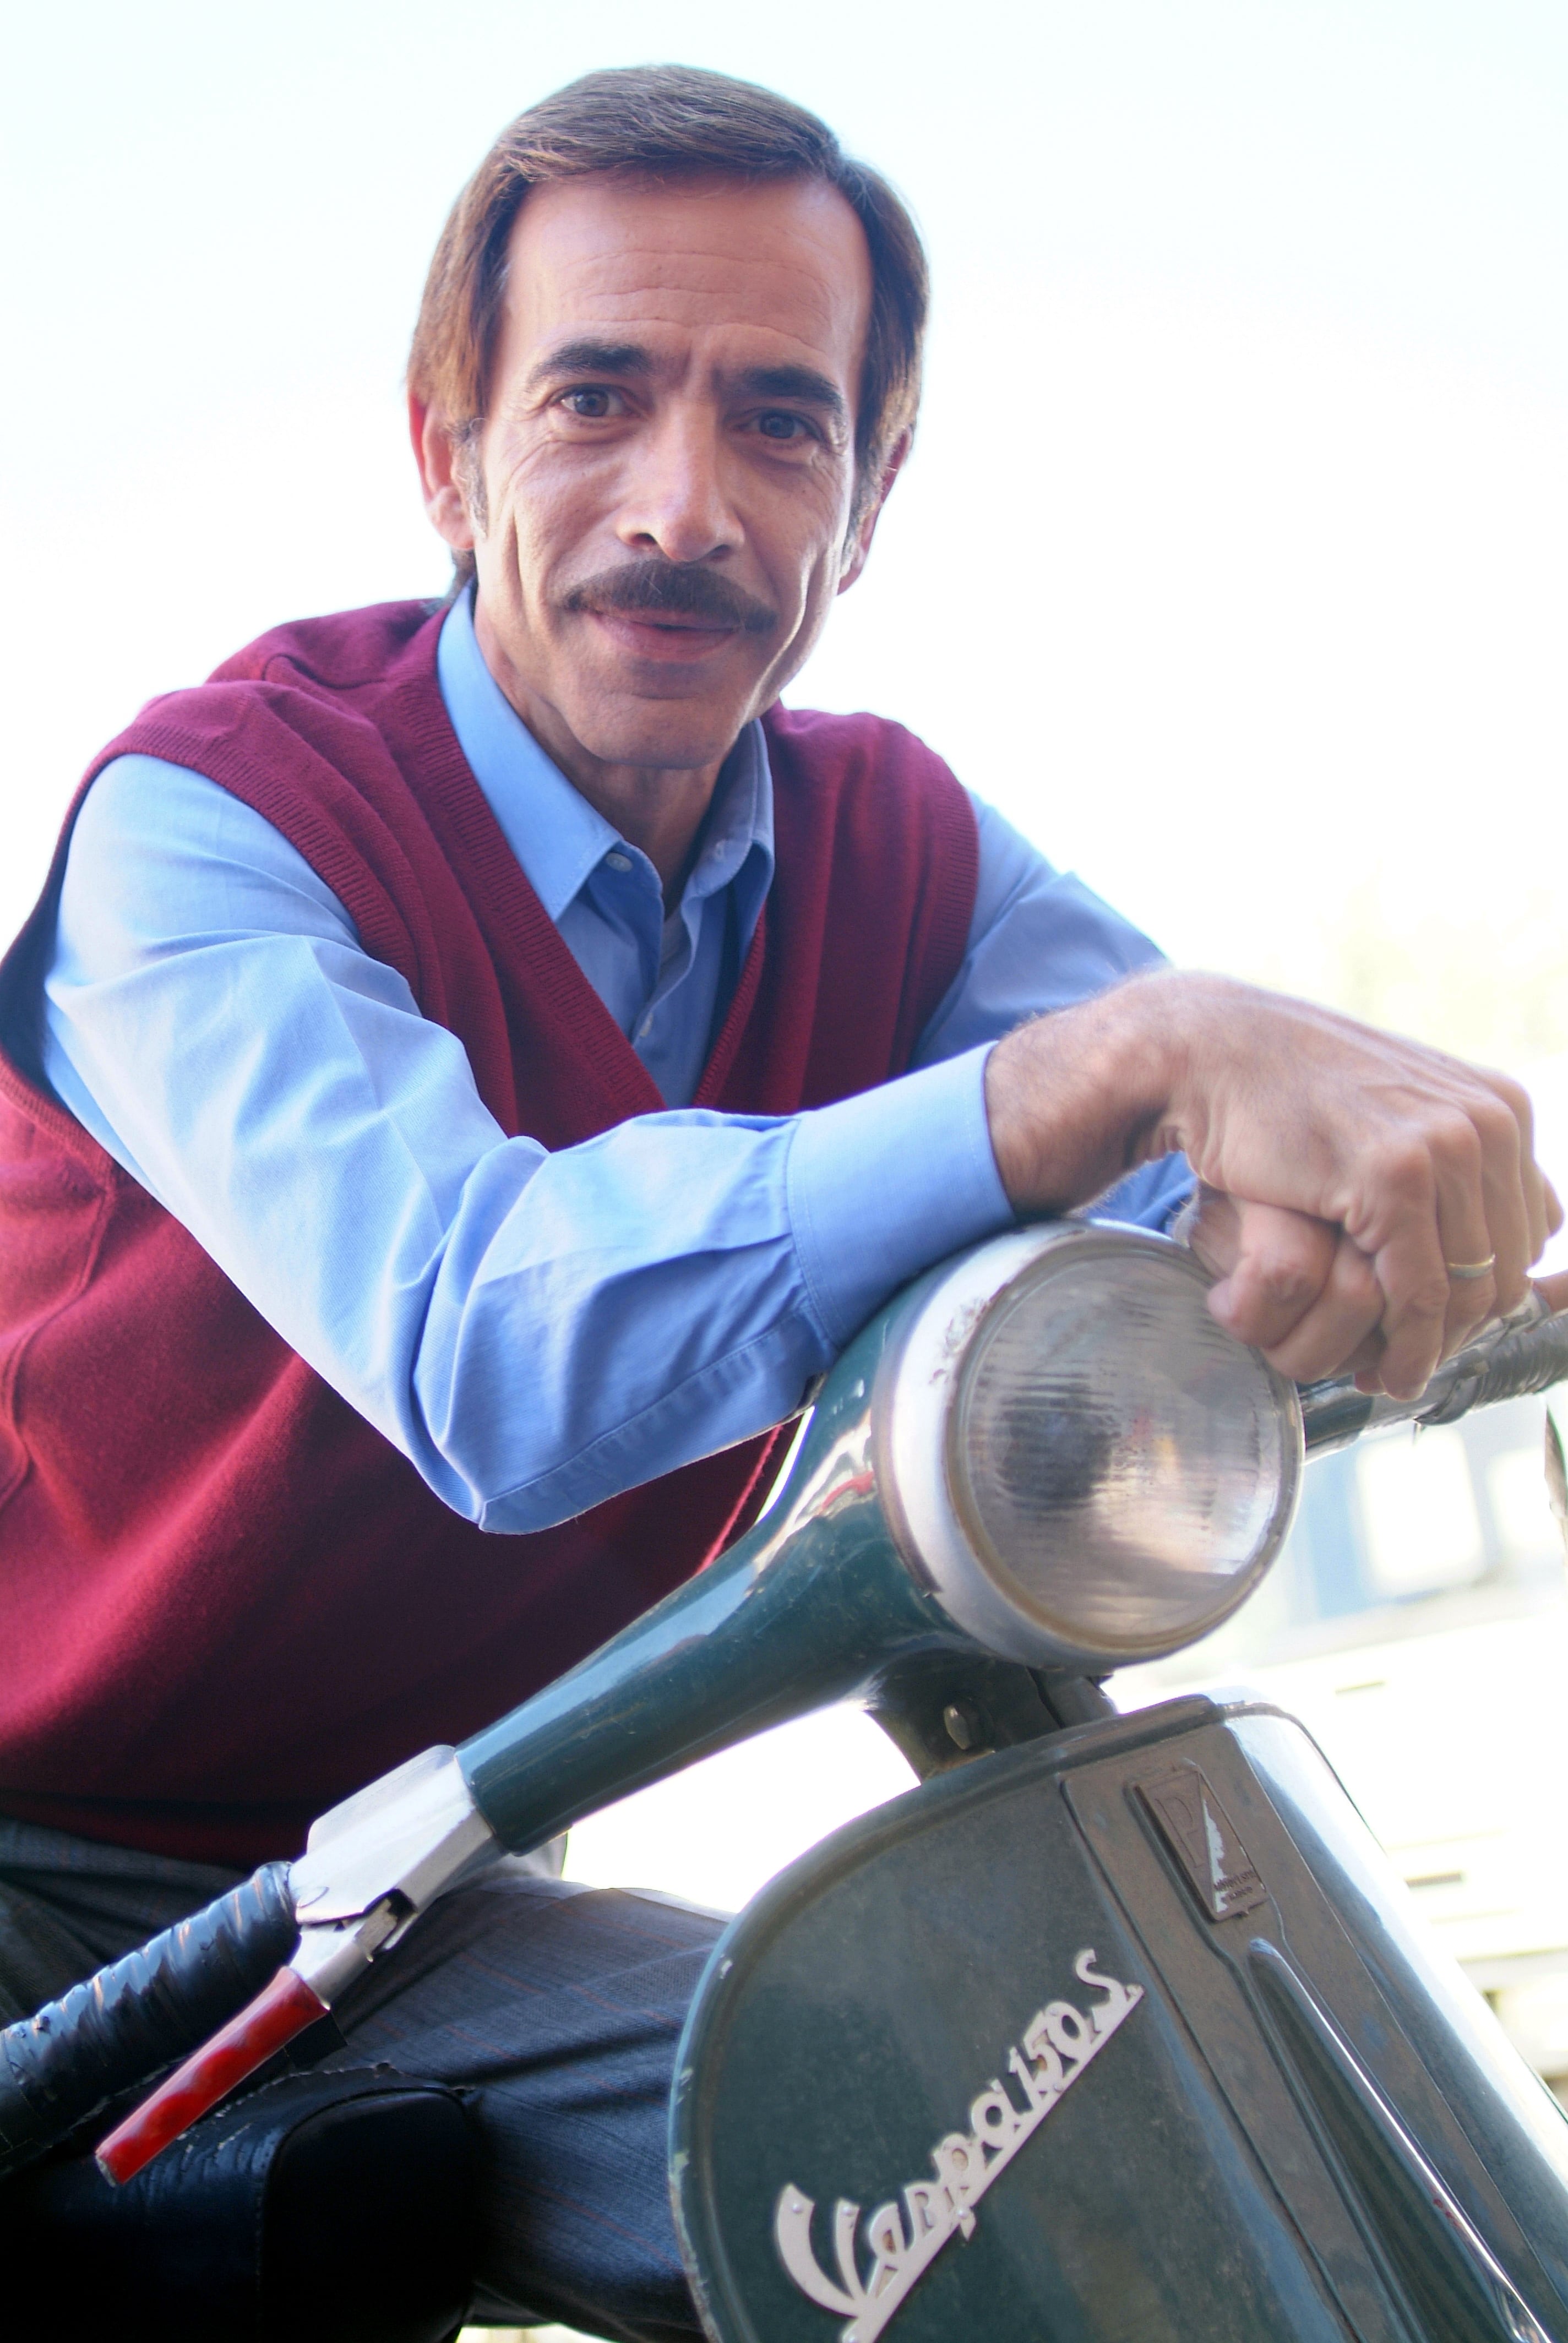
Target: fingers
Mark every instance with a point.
(1544, 1212)
(1521, 1207)
(1555, 1289)
(1513, 1189)
(1460, 1191)
(1397, 1228)
(1292, 1286)
(1481, 1218)
(1337, 1334)
(1279, 1265)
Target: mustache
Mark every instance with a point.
(672, 589)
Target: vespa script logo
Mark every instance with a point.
(903, 2240)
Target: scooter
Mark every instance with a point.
(1116, 2027)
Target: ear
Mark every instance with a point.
(857, 548)
(440, 475)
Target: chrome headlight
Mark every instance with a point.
(1075, 1460)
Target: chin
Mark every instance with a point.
(652, 730)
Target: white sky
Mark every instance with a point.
(1230, 561)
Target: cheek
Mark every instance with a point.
(800, 535)
(835, 554)
(544, 508)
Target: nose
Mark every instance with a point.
(677, 502)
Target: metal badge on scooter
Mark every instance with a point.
(1200, 1833)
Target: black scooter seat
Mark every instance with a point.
(323, 2207)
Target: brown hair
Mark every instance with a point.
(664, 121)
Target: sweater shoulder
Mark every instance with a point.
(338, 651)
(856, 751)
(327, 685)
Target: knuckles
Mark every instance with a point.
(1497, 1131)
(1402, 1169)
(1282, 1281)
(1514, 1096)
(1455, 1141)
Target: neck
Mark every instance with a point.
(658, 809)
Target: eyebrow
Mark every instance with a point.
(802, 383)
(589, 356)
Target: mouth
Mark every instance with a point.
(664, 637)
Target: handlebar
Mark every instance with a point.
(1524, 1352)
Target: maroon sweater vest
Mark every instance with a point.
(225, 1601)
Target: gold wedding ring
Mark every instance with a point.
(1465, 1273)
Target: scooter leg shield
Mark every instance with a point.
(1127, 2036)
(323, 2207)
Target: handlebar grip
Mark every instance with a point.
(280, 2012)
(1498, 1365)
(135, 2018)
(1521, 1365)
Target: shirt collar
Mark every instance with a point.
(557, 836)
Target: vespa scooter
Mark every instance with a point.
(1117, 2027)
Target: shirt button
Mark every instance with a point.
(618, 862)
(645, 1029)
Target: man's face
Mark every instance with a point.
(668, 466)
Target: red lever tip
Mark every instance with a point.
(280, 2011)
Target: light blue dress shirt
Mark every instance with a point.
(535, 1331)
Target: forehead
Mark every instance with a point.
(776, 270)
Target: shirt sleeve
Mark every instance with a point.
(535, 1331)
(1040, 940)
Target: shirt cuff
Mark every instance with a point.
(882, 1184)
(1152, 1197)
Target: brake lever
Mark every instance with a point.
(371, 1865)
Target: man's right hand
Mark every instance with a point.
(1408, 1161)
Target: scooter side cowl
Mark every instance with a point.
(1058, 2047)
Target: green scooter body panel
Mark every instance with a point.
(1258, 2110)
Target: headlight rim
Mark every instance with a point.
(916, 1411)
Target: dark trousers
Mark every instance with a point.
(559, 2007)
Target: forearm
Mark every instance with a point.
(673, 1286)
(1079, 1099)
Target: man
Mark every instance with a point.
(471, 1070)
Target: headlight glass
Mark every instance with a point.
(1123, 1471)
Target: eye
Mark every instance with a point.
(782, 426)
(592, 402)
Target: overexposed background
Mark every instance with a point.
(1231, 563)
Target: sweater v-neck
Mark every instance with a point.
(523, 940)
